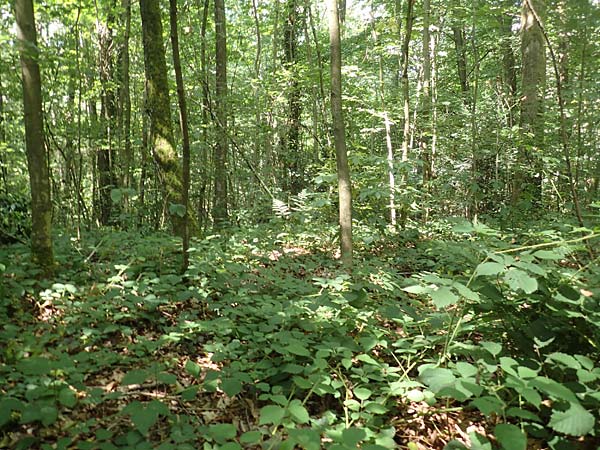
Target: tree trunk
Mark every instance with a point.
(37, 162)
(292, 156)
(161, 139)
(425, 140)
(406, 102)
(183, 118)
(343, 169)
(527, 188)
(458, 35)
(105, 157)
(3, 170)
(220, 213)
(125, 105)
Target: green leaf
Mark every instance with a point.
(437, 378)
(306, 438)
(415, 395)
(417, 289)
(34, 366)
(466, 369)
(554, 389)
(7, 406)
(176, 209)
(549, 254)
(230, 446)
(518, 279)
(189, 394)
(298, 412)
(489, 268)
(192, 368)
(49, 415)
(296, 348)
(362, 393)
(67, 397)
(522, 414)
(116, 195)
(466, 292)
(455, 445)
(352, 436)
(271, 414)
(222, 432)
(510, 437)
(135, 376)
(492, 347)
(488, 405)
(564, 359)
(443, 297)
(251, 437)
(367, 359)
(479, 442)
(231, 386)
(575, 421)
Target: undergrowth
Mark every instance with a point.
(458, 336)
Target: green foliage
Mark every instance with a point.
(263, 323)
(15, 218)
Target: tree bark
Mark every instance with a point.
(343, 169)
(220, 213)
(161, 139)
(183, 119)
(125, 104)
(527, 188)
(406, 101)
(292, 152)
(425, 140)
(37, 160)
(105, 157)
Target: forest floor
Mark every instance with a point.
(266, 343)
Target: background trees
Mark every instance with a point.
(450, 109)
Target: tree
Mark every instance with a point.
(37, 161)
(183, 119)
(220, 213)
(105, 158)
(161, 138)
(528, 177)
(339, 134)
(292, 157)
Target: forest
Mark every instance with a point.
(299, 224)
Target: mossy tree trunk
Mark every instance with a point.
(37, 160)
(161, 139)
(183, 119)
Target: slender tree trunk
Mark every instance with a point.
(183, 118)
(509, 72)
(406, 101)
(37, 160)
(3, 169)
(220, 213)
(105, 157)
(527, 188)
(125, 105)
(388, 129)
(343, 169)
(425, 140)
(205, 171)
(292, 156)
(161, 139)
(458, 35)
